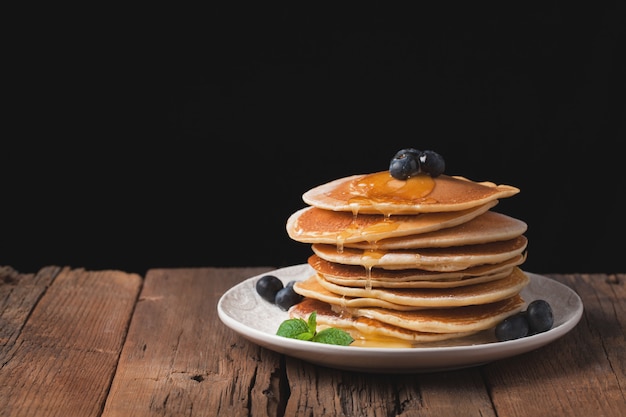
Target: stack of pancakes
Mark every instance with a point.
(409, 261)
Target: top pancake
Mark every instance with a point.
(380, 193)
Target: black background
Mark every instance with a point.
(180, 138)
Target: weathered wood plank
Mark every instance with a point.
(179, 359)
(19, 294)
(63, 360)
(323, 391)
(455, 393)
(62, 333)
(581, 374)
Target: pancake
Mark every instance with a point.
(357, 276)
(372, 283)
(481, 293)
(462, 319)
(312, 289)
(414, 260)
(455, 258)
(366, 328)
(315, 225)
(485, 228)
(380, 193)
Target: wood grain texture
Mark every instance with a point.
(581, 374)
(343, 393)
(91, 343)
(18, 295)
(179, 359)
(65, 355)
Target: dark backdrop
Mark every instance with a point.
(186, 138)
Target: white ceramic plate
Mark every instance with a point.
(257, 320)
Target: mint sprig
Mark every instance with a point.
(298, 328)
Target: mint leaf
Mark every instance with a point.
(313, 322)
(333, 336)
(306, 330)
(292, 328)
(305, 336)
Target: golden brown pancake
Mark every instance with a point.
(312, 289)
(315, 225)
(485, 228)
(452, 320)
(481, 293)
(379, 193)
(431, 259)
(418, 260)
(365, 327)
(358, 276)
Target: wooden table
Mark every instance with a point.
(109, 343)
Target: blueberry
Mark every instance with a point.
(408, 151)
(513, 327)
(432, 163)
(404, 164)
(286, 297)
(268, 286)
(408, 162)
(540, 316)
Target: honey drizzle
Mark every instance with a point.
(375, 190)
(369, 259)
(363, 339)
(380, 190)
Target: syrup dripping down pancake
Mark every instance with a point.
(314, 225)
(485, 228)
